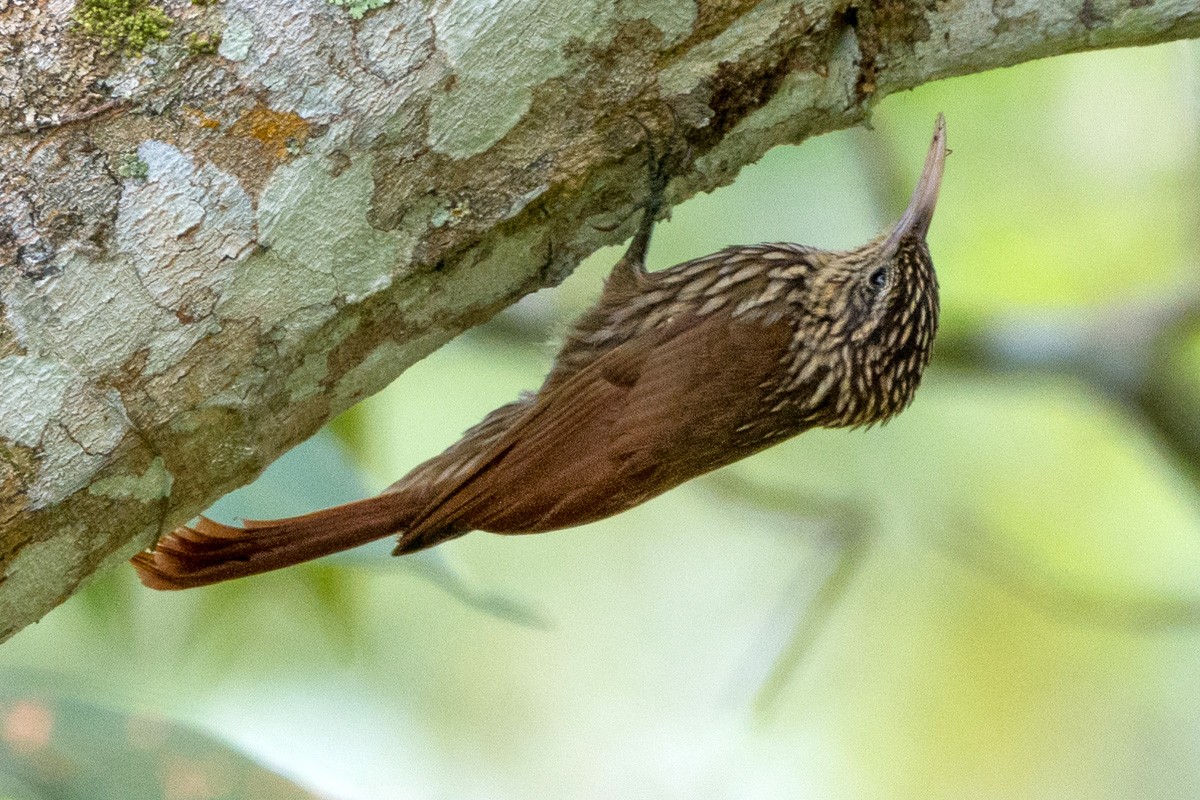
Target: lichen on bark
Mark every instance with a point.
(125, 26)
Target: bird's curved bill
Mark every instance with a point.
(914, 223)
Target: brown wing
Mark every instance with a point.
(648, 415)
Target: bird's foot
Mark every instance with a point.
(662, 163)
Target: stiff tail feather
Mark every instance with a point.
(210, 552)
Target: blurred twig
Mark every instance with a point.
(457, 583)
(808, 627)
(852, 533)
(849, 528)
(1031, 580)
(1130, 351)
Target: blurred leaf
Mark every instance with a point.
(1173, 395)
(312, 475)
(55, 748)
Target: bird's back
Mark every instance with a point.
(643, 397)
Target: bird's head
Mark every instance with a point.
(881, 304)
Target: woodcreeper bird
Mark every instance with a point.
(670, 375)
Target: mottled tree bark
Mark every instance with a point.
(206, 255)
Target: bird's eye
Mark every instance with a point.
(879, 278)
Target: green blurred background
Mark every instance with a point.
(995, 596)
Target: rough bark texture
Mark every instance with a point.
(206, 255)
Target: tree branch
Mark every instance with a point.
(208, 256)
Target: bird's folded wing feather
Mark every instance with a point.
(634, 422)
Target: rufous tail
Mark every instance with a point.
(210, 552)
